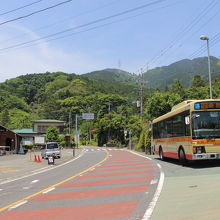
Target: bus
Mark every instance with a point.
(190, 131)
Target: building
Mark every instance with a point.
(27, 135)
(41, 126)
(9, 140)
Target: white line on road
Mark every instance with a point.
(41, 170)
(1, 189)
(153, 182)
(151, 206)
(49, 190)
(34, 181)
(16, 206)
(26, 187)
(159, 166)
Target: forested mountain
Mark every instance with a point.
(183, 70)
(54, 95)
(112, 75)
(162, 77)
(110, 94)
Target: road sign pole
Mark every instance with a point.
(76, 132)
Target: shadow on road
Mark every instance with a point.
(200, 164)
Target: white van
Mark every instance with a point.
(51, 149)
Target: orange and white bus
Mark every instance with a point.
(190, 131)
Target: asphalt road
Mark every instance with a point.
(101, 184)
(189, 193)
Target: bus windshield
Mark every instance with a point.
(206, 125)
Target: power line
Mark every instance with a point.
(21, 7)
(35, 12)
(187, 28)
(182, 33)
(63, 20)
(85, 25)
(90, 29)
(197, 30)
(213, 41)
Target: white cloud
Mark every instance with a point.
(41, 58)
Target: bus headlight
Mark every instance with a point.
(198, 149)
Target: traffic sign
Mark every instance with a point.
(88, 116)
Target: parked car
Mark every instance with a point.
(50, 149)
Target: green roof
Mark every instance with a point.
(48, 120)
(24, 131)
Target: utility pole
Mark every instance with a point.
(141, 93)
(76, 131)
(109, 109)
(70, 123)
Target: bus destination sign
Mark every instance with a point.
(206, 105)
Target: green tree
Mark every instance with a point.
(177, 88)
(198, 89)
(5, 118)
(197, 82)
(52, 134)
(19, 119)
(161, 103)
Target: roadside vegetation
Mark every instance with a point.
(117, 117)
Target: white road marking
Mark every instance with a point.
(26, 187)
(49, 190)
(92, 149)
(34, 181)
(153, 182)
(152, 204)
(1, 189)
(42, 170)
(16, 206)
(159, 166)
(98, 149)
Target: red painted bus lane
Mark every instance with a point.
(106, 211)
(128, 164)
(120, 169)
(116, 174)
(107, 182)
(119, 188)
(91, 193)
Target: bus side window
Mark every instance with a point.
(187, 125)
(169, 127)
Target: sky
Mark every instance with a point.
(82, 36)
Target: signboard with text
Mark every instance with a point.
(88, 116)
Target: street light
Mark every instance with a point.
(203, 37)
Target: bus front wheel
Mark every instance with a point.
(161, 153)
(182, 157)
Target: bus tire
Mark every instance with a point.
(182, 157)
(161, 153)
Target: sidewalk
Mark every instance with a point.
(15, 165)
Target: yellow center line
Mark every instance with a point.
(57, 184)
